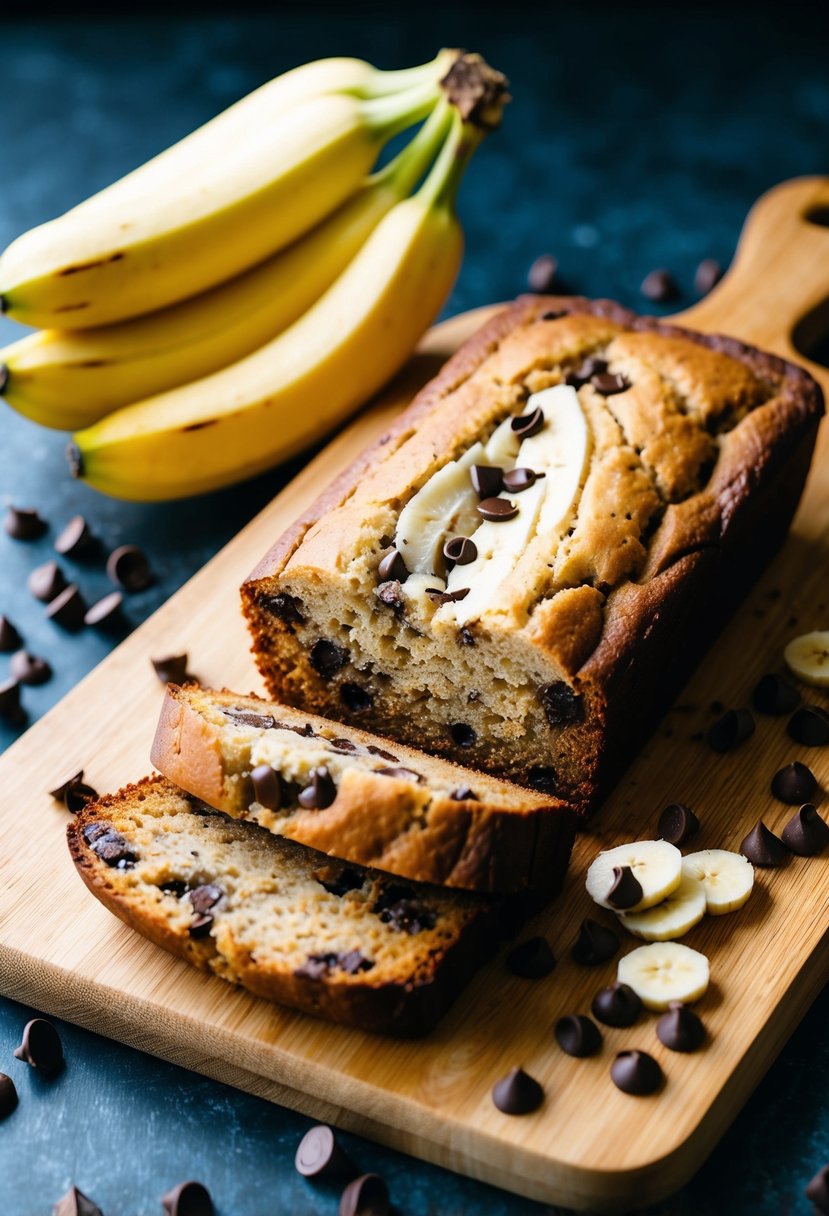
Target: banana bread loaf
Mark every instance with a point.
(343, 792)
(523, 569)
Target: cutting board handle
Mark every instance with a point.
(779, 279)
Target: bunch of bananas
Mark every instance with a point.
(232, 300)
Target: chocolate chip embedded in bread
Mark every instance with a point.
(367, 1195)
(355, 698)
(381, 752)
(8, 1096)
(354, 962)
(732, 729)
(320, 791)
(610, 383)
(75, 1203)
(247, 717)
(267, 787)
(326, 658)
(284, 607)
(463, 794)
(200, 926)
(542, 778)
(41, 1047)
(11, 710)
(22, 523)
(29, 668)
(129, 568)
(68, 609)
(347, 880)
(808, 725)
(794, 783)
(343, 745)
(561, 704)
(317, 966)
(392, 567)
(460, 550)
(578, 1036)
(46, 581)
(10, 639)
(171, 669)
(487, 480)
(391, 594)
(76, 539)
(109, 845)
(439, 598)
(595, 944)
(517, 1093)
(205, 897)
(527, 425)
(462, 734)
(401, 773)
(400, 907)
(591, 367)
(188, 1199)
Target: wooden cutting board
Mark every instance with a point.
(590, 1146)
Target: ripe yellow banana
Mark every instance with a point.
(266, 407)
(68, 379)
(235, 207)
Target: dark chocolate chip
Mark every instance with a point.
(616, 1005)
(527, 425)
(129, 568)
(76, 539)
(467, 638)
(560, 702)
(75, 1203)
(200, 926)
(439, 598)
(707, 275)
(109, 845)
(517, 480)
(626, 890)
(497, 510)
(763, 848)
(680, 1029)
(818, 1190)
(610, 383)
(353, 962)
(247, 717)
(794, 784)
(399, 906)
(22, 523)
(517, 1093)
(205, 897)
(775, 696)
(463, 794)
(402, 774)
(8, 1096)
(106, 611)
(660, 286)
(531, 959)
(29, 668)
(67, 609)
(487, 480)
(355, 698)
(591, 367)
(318, 1154)
(346, 880)
(318, 966)
(460, 550)
(174, 886)
(188, 1199)
(381, 752)
(554, 314)
(390, 594)
(809, 725)
(635, 1072)
(320, 791)
(595, 944)
(41, 1047)
(77, 796)
(542, 274)
(267, 787)
(578, 1036)
(367, 1195)
(59, 792)
(462, 734)
(732, 729)
(10, 639)
(11, 710)
(806, 833)
(326, 658)
(542, 778)
(46, 581)
(171, 669)
(285, 608)
(677, 823)
(392, 566)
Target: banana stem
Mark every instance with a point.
(405, 171)
(441, 186)
(383, 83)
(388, 116)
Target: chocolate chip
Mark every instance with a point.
(626, 890)
(578, 1036)
(46, 581)
(595, 944)
(402, 774)
(200, 926)
(129, 568)
(320, 791)
(76, 539)
(466, 638)
(439, 598)
(677, 823)
(59, 792)
(532, 959)
(205, 897)
(75, 1203)
(460, 550)
(660, 286)
(22, 523)
(318, 966)
(174, 886)
(554, 314)
(560, 702)
(732, 729)
(487, 480)
(497, 510)
(680, 1029)
(381, 752)
(106, 611)
(794, 784)
(11, 710)
(462, 734)
(171, 669)
(517, 480)
(817, 1192)
(463, 794)
(399, 906)
(247, 717)
(109, 845)
(809, 725)
(763, 848)
(592, 366)
(610, 383)
(77, 796)
(41, 1047)
(806, 833)
(635, 1072)
(29, 669)
(326, 658)
(10, 639)
(188, 1199)
(285, 608)
(355, 698)
(527, 425)
(707, 275)
(542, 274)
(267, 787)
(353, 962)
(8, 1096)
(542, 778)
(775, 696)
(392, 566)
(68, 609)
(616, 1005)
(367, 1195)
(318, 1154)
(517, 1093)
(390, 593)
(346, 880)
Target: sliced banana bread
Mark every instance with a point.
(283, 921)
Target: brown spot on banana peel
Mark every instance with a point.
(113, 257)
(198, 426)
(477, 91)
(72, 307)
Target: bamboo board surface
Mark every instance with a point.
(589, 1146)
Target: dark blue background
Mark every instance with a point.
(638, 137)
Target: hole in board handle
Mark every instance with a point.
(810, 335)
(818, 215)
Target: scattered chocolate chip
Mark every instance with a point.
(635, 1072)
(616, 1005)
(77, 796)
(24, 524)
(355, 698)
(11, 710)
(560, 702)
(392, 566)
(707, 276)
(775, 696)
(59, 792)
(818, 1190)
(460, 550)
(326, 658)
(188, 1199)
(794, 784)
(542, 778)
(806, 833)
(285, 608)
(497, 510)
(660, 286)
(439, 598)
(591, 367)
(128, 567)
(463, 794)
(390, 594)
(29, 668)
(346, 880)
(399, 906)
(247, 717)
(517, 1093)
(171, 669)
(320, 791)
(318, 1154)
(367, 1195)
(578, 1036)
(267, 787)
(467, 638)
(527, 425)
(401, 773)
(67, 609)
(680, 1029)
(106, 611)
(541, 276)
(595, 944)
(732, 729)
(46, 581)
(109, 845)
(10, 639)
(610, 383)
(532, 959)
(487, 480)
(517, 480)
(763, 848)
(41, 1047)
(677, 823)
(76, 539)
(809, 725)
(626, 890)
(75, 1203)
(8, 1096)
(381, 752)
(462, 734)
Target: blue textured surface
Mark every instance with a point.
(636, 139)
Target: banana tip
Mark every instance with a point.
(75, 458)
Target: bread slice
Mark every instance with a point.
(283, 921)
(381, 805)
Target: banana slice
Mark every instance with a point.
(684, 908)
(808, 657)
(663, 972)
(726, 878)
(656, 866)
